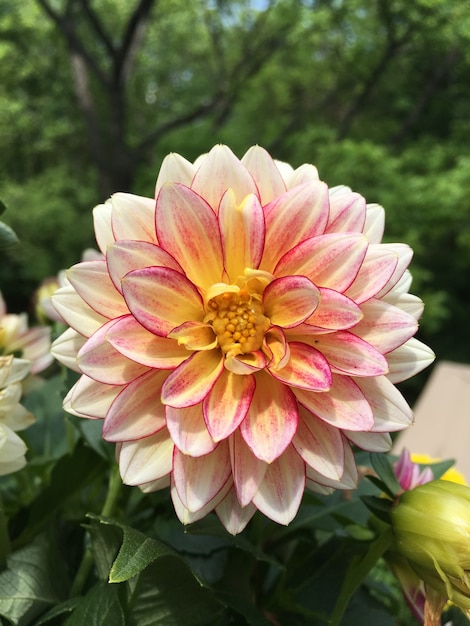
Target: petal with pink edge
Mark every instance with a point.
(347, 211)
(245, 364)
(266, 175)
(76, 312)
(125, 256)
(102, 225)
(66, 347)
(199, 479)
(335, 311)
(221, 170)
(276, 348)
(307, 368)
(344, 406)
(194, 336)
(375, 223)
(187, 229)
(404, 254)
(409, 359)
(233, 516)
(290, 300)
(92, 283)
(242, 230)
(281, 491)
(348, 354)
(135, 342)
(189, 517)
(161, 299)
(373, 442)
(175, 169)
(320, 445)
(385, 326)
(271, 421)
(87, 398)
(137, 412)
(390, 409)
(188, 430)
(350, 475)
(146, 460)
(190, 383)
(227, 404)
(328, 260)
(406, 302)
(248, 471)
(100, 361)
(133, 217)
(298, 214)
(376, 271)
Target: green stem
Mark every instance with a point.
(106, 511)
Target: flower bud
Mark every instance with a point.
(431, 524)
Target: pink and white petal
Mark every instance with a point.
(276, 348)
(242, 230)
(315, 487)
(385, 326)
(298, 214)
(335, 311)
(350, 476)
(87, 398)
(199, 479)
(347, 211)
(227, 404)
(137, 411)
(190, 383)
(146, 460)
(406, 302)
(156, 485)
(125, 256)
(247, 469)
(343, 406)
(99, 360)
(92, 283)
(189, 517)
(194, 336)
(188, 230)
(409, 359)
(66, 347)
(221, 170)
(320, 445)
(271, 420)
(280, 494)
(161, 299)
(348, 354)
(233, 516)
(174, 169)
(404, 254)
(102, 225)
(303, 174)
(390, 409)
(290, 300)
(375, 223)
(306, 368)
(76, 312)
(135, 342)
(133, 217)
(373, 442)
(402, 286)
(331, 260)
(245, 364)
(188, 430)
(266, 175)
(376, 271)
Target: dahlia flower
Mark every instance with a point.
(244, 330)
(32, 344)
(13, 416)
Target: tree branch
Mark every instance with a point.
(132, 40)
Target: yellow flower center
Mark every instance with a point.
(238, 321)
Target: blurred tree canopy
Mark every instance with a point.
(94, 93)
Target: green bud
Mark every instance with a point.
(431, 524)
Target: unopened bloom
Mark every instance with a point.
(32, 344)
(13, 416)
(431, 524)
(244, 329)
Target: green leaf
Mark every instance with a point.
(30, 583)
(384, 470)
(7, 236)
(3, 207)
(60, 609)
(379, 506)
(439, 468)
(100, 607)
(244, 607)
